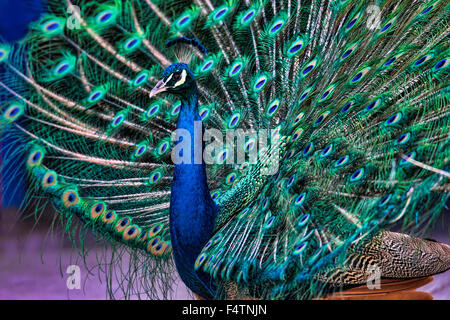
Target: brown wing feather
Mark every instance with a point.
(390, 289)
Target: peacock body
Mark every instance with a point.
(104, 98)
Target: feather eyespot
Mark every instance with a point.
(234, 120)
(235, 68)
(308, 68)
(131, 233)
(276, 26)
(289, 154)
(351, 24)
(13, 112)
(297, 134)
(347, 107)
(294, 47)
(308, 149)
(321, 118)
(300, 199)
(140, 150)
(349, 51)
(357, 175)
(204, 113)
(96, 95)
(199, 261)
(153, 110)
(183, 20)
(359, 75)
(265, 203)
(53, 26)
(422, 60)
(155, 176)
(441, 64)
(141, 78)
(259, 83)
(160, 248)
(298, 118)
(303, 220)
(269, 223)
(207, 65)
(385, 200)
(305, 94)
(35, 158)
(131, 44)
(244, 166)
(250, 145)
(291, 180)
(231, 178)
(406, 160)
(220, 12)
(109, 217)
(142, 237)
(175, 109)
(404, 138)
(394, 119)
(325, 152)
(222, 157)
(163, 147)
(300, 248)
(341, 161)
(4, 52)
(387, 26)
(70, 198)
(106, 16)
(373, 104)
(62, 68)
(122, 224)
(325, 94)
(155, 230)
(97, 209)
(272, 108)
(243, 213)
(215, 195)
(49, 179)
(426, 10)
(390, 61)
(217, 238)
(248, 16)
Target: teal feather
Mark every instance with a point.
(361, 114)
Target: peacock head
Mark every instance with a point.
(177, 79)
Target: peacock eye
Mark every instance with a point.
(176, 76)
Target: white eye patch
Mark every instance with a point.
(182, 80)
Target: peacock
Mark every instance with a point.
(263, 149)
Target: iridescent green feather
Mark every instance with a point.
(362, 113)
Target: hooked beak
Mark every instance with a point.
(160, 87)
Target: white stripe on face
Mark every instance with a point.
(168, 79)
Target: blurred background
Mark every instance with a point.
(33, 263)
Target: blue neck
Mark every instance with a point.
(192, 211)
